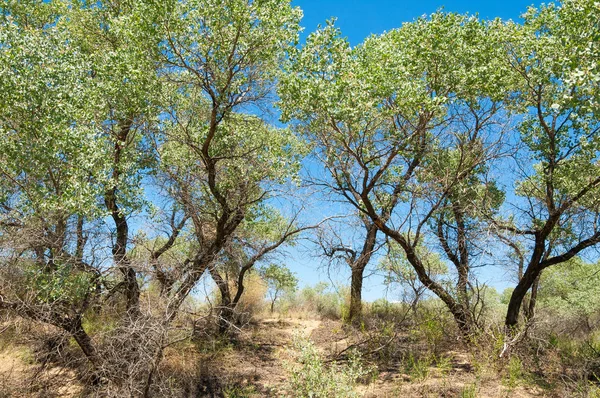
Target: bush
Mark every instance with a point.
(314, 300)
(253, 299)
(386, 310)
(310, 377)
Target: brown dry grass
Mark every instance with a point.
(254, 366)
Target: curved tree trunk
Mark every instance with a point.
(463, 317)
(516, 299)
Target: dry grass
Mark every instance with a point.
(411, 361)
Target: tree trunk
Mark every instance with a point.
(462, 317)
(225, 311)
(358, 268)
(356, 293)
(83, 340)
(463, 296)
(119, 250)
(273, 299)
(516, 299)
(533, 299)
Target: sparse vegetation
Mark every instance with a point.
(311, 377)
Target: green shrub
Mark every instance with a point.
(469, 391)
(316, 299)
(64, 285)
(515, 373)
(431, 329)
(417, 368)
(239, 391)
(311, 377)
(386, 310)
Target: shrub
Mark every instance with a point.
(253, 298)
(418, 368)
(316, 300)
(515, 373)
(387, 310)
(310, 377)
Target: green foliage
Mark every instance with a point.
(323, 301)
(505, 296)
(280, 280)
(572, 290)
(514, 373)
(431, 328)
(129, 96)
(417, 367)
(469, 391)
(48, 144)
(593, 391)
(399, 271)
(239, 391)
(62, 286)
(208, 35)
(311, 377)
(243, 162)
(444, 365)
(279, 277)
(210, 129)
(264, 223)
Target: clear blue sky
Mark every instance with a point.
(358, 19)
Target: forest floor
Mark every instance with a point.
(257, 365)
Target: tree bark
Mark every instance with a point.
(84, 341)
(273, 302)
(226, 308)
(533, 299)
(358, 268)
(119, 250)
(356, 293)
(516, 299)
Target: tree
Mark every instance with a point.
(45, 194)
(570, 293)
(218, 159)
(121, 41)
(105, 99)
(555, 72)
(403, 123)
(263, 232)
(336, 248)
(279, 279)
(81, 91)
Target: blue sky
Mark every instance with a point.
(358, 19)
